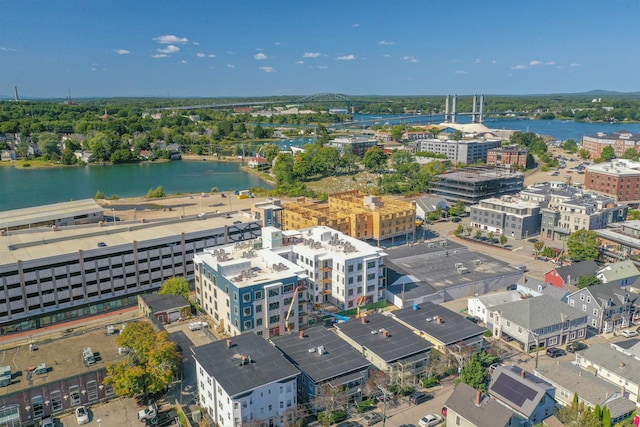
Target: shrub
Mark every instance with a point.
(365, 405)
(99, 195)
(336, 417)
(158, 192)
(432, 381)
(487, 333)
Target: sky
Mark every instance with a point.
(226, 48)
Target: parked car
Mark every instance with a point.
(82, 416)
(372, 418)
(47, 422)
(572, 347)
(456, 219)
(512, 287)
(472, 319)
(163, 419)
(349, 424)
(533, 240)
(555, 352)
(148, 413)
(430, 420)
(196, 326)
(628, 333)
(420, 397)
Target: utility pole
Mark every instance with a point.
(385, 392)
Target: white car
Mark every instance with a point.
(628, 333)
(82, 416)
(196, 326)
(430, 420)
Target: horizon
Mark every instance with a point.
(240, 49)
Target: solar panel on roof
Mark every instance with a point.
(513, 390)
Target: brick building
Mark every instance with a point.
(620, 141)
(620, 179)
(513, 155)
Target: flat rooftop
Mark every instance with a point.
(422, 270)
(62, 356)
(44, 242)
(40, 214)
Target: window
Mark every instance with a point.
(595, 311)
(246, 297)
(246, 311)
(37, 405)
(584, 307)
(56, 401)
(92, 391)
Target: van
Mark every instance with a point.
(196, 326)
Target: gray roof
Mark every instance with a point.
(496, 298)
(453, 328)
(522, 394)
(614, 361)
(157, 302)
(431, 203)
(488, 414)
(400, 342)
(577, 269)
(538, 312)
(610, 291)
(337, 359)
(267, 364)
(621, 407)
(589, 387)
(417, 271)
(619, 270)
(541, 287)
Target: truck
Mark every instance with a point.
(149, 413)
(163, 419)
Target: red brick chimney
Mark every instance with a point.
(478, 397)
(363, 319)
(301, 334)
(228, 342)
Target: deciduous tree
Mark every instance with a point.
(375, 159)
(176, 286)
(583, 245)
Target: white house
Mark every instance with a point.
(245, 380)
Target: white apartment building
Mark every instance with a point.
(245, 380)
(340, 269)
(463, 151)
(250, 290)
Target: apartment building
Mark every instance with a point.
(512, 155)
(619, 179)
(340, 269)
(355, 214)
(462, 152)
(357, 145)
(52, 275)
(508, 216)
(471, 185)
(245, 380)
(620, 141)
(244, 289)
(621, 240)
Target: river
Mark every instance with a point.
(20, 188)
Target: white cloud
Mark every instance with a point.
(169, 49)
(196, 43)
(231, 66)
(170, 38)
(211, 55)
(311, 54)
(519, 67)
(356, 25)
(494, 62)
(550, 63)
(299, 62)
(386, 43)
(346, 58)
(277, 43)
(460, 72)
(183, 62)
(476, 61)
(260, 56)
(410, 59)
(122, 51)
(386, 55)
(8, 49)
(267, 69)
(534, 63)
(573, 64)
(323, 67)
(159, 55)
(200, 55)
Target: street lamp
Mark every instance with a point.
(537, 337)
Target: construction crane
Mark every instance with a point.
(293, 301)
(361, 300)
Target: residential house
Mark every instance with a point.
(468, 407)
(325, 360)
(609, 308)
(257, 162)
(147, 155)
(428, 204)
(245, 380)
(480, 306)
(165, 308)
(542, 321)
(570, 380)
(530, 397)
(445, 329)
(538, 287)
(9, 156)
(569, 274)
(389, 346)
(613, 366)
(621, 273)
(85, 156)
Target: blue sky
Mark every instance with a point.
(260, 48)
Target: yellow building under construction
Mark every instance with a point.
(355, 214)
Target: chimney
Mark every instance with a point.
(385, 333)
(301, 334)
(363, 319)
(478, 397)
(438, 320)
(522, 373)
(228, 342)
(622, 364)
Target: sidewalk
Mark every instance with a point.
(63, 329)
